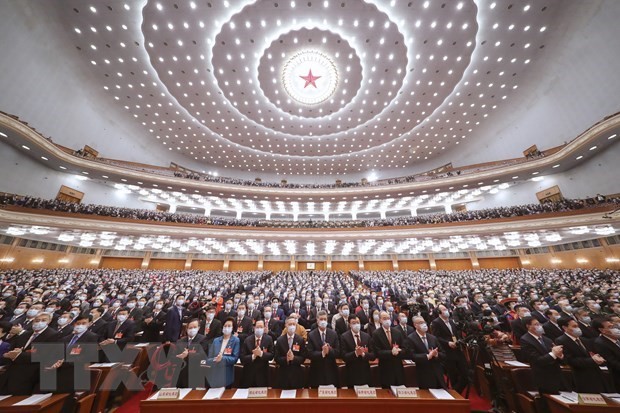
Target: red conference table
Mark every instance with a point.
(307, 401)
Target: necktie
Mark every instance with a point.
(257, 342)
(322, 337)
(542, 342)
(290, 342)
(425, 342)
(449, 327)
(581, 345)
(357, 340)
(389, 336)
(73, 340)
(31, 339)
(118, 325)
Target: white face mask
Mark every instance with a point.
(241, 313)
(121, 318)
(180, 303)
(403, 320)
(539, 330)
(158, 306)
(345, 313)
(210, 316)
(445, 313)
(63, 321)
(192, 332)
(356, 327)
(267, 314)
(227, 330)
(259, 332)
(291, 329)
(386, 323)
(375, 317)
(79, 329)
(32, 313)
(18, 311)
(424, 327)
(323, 324)
(38, 326)
(131, 305)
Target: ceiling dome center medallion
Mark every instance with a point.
(310, 77)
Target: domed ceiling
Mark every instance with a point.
(310, 87)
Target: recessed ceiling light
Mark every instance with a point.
(62, 167)
(579, 157)
(4, 135)
(104, 176)
(556, 166)
(25, 147)
(593, 148)
(44, 158)
(611, 137)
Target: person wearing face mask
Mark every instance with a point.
(406, 329)
(135, 313)
(175, 317)
(608, 346)
(223, 354)
(211, 327)
(226, 312)
(98, 324)
(374, 322)
(447, 333)
(389, 347)
(64, 325)
(364, 313)
(272, 326)
(22, 371)
(538, 310)
(153, 323)
(191, 349)
(357, 353)
(544, 357)
(256, 352)
(584, 321)
(551, 327)
(243, 324)
(323, 348)
(290, 354)
(566, 309)
(121, 331)
(517, 326)
(339, 321)
(428, 356)
(19, 314)
(33, 311)
(581, 357)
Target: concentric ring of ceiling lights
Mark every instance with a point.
(430, 72)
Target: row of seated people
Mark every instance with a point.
(158, 306)
(159, 216)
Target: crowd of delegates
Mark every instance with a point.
(159, 216)
(216, 319)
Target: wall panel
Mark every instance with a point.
(276, 266)
(500, 262)
(207, 265)
(302, 265)
(414, 265)
(164, 264)
(378, 266)
(453, 265)
(120, 262)
(243, 266)
(23, 258)
(345, 266)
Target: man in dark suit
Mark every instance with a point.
(153, 323)
(427, 354)
(405, 328)
(538, 311)
(98, 325)
(64, 325)
(256, 352)
(22, 374)
(191, 349)
(608, 346)
(388, 345)
(356, 352)
(290, 355)
(243, 324)
(19, 314)
(516, 326)
(342, 325)
(323, 349)
(447, 333)
(278, 312)
(551, 327)
(364, 314)
(226, 312)
(174, 319)
(211, 327)
(311, 315)
(80, 350)
(544, 357)
(584, 322)
(121, 331)
(587, 374)
(272, 326)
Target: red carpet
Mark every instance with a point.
(133, 404)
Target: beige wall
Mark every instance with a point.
(207, 265)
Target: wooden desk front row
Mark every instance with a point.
(307, 401)
(558, 406)
(52, 405)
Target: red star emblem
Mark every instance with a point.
(310, 79)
